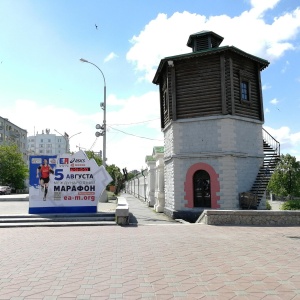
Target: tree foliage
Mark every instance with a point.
(115, 174)
(285, 180)
(13, 170)
(92, 154)
(113, 170)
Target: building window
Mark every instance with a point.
(245, 87)
(41, 151)
(165, 101)
(49, 145)
(245, 90)
(41, 146)
(42, 140)
(165, 96)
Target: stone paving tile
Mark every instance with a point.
(150, 262)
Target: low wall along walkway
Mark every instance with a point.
(250, 217)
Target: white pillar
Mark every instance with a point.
(151, 183)
(159, 184)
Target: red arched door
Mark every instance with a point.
(201, 185)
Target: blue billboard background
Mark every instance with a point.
(35, 162)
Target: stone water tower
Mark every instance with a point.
(211, 108)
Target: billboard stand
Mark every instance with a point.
(75, 184)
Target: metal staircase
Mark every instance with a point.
(271, 149)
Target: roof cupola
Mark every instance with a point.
(204, 40)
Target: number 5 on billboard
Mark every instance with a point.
(59, 174)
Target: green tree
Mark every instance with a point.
(113, 170)
(285, 180)
(13, 170)
(92, 154)
(115, 174)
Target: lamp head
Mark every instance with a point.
(84, 60)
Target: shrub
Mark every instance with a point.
(291, 205)
(268, 205)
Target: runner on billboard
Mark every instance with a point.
(43, 172)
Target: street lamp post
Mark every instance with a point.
(67, 139)
(103, 106)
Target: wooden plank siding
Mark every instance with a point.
(207, 85)
(163, 119)
(229, 86)
(247, 69)
(169, 87)
(198, 87)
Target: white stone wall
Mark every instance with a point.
(137, 186)
(233, 146)
(191, 136)
(169, 185)
(142, 186)
(175, 176)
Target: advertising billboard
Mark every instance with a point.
(68, 183)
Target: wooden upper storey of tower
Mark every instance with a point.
(211, 80)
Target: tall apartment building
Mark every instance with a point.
(11, 133)
(47, 143)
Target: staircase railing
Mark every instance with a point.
(275, 145)
(271, 141)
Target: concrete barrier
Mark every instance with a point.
(122, 211)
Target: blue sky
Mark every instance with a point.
(44, 85)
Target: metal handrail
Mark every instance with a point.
(275, 145)
(271, 141)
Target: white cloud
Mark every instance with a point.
(133, 111)
(274, 101)
(111, 56)
(267, 110)
(259, 7)
(266, 87)
(54, 118)
(286, 65)
(165, 36)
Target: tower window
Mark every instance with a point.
(165, 100)
(245, 91)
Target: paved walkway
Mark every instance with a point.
(140, 213)
(173, 261)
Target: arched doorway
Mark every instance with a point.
(202, 190)
(214, 184)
